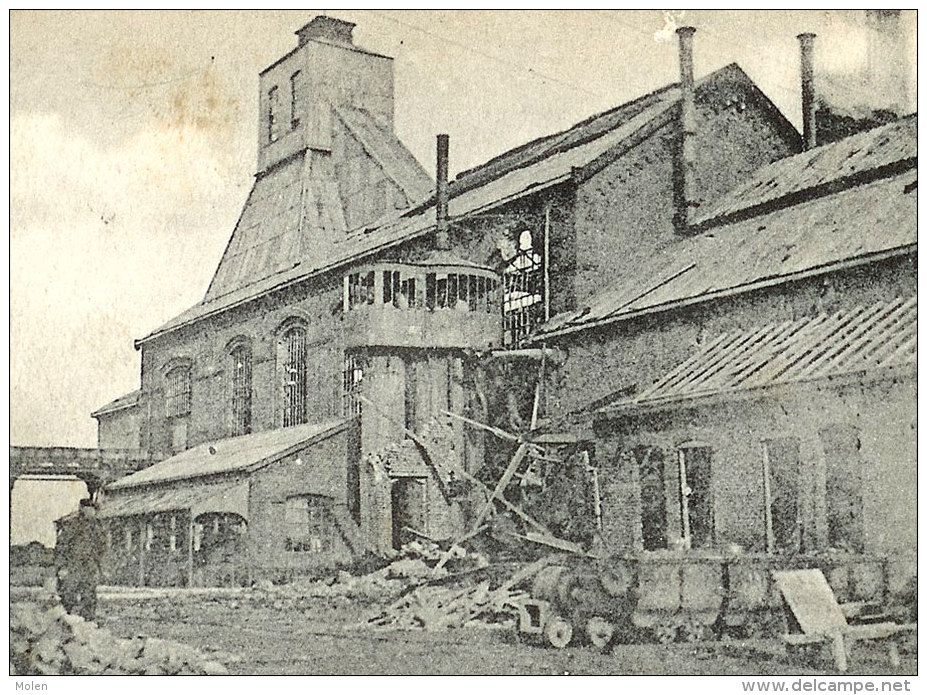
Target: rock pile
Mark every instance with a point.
(46, 640)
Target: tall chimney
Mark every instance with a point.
(809, 105)
(685, 175)
(442, 239)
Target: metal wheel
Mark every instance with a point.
(665, 634)
(558, 631)
(600, 631)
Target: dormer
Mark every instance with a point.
(298, 91)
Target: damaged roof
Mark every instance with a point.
(862, 339)
(872, 217)
(231, 455)
(539, 164)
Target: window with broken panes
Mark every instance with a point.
(309, 526)
(295, 374)
(360, 289)
(178, 392)
(523, 294)
(241, 389)
(460, 291)
(352, 378)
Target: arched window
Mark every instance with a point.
(178, 392)
(522, 302)
(240, 367)
(294, 372)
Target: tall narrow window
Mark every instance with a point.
(653, 496)
(695, 502)
(178, 393)
(273, 114)
(240, 358)
(295, 376)
(781, 480)
(353, 376)
(522, 301)
(295, 99)
(844, 492)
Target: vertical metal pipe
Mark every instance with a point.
(686, 175)
(547, 261)
(442, 238)
(809, 105)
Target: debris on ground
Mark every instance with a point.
(436, 607)
(46, 640)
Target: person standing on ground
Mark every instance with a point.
(78, 553)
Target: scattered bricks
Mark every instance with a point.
(48, 641)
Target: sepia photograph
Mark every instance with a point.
(464, 342)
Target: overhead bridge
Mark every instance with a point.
(93, 466)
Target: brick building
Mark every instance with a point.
(752, 387)
(357, 301)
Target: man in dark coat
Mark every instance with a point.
(78, 554)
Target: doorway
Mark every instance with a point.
(409, 503)
(695, 502)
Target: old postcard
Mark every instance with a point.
(464, 342)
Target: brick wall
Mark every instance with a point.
(321, 469)
(632, 355)
(883, 414)
(625, 212)
(206, 345)
(119, 429)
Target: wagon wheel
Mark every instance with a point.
(600, 631)
(695, 632)
(559, 632)
(665, 634)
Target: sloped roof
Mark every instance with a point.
(127, 401)
(871, 151)
(231, 455)
(398, 163)
(858, 224)
(294, 211)
(204, 496)
(866, 338)
(541, 163)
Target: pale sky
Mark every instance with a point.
(133, 145)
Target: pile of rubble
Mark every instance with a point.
(46, 640)
(415, 564)
(435, 607)
(422, 587)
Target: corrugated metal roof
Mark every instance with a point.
(398, 163)
(856, 224)
(871, 150)
(268, 236)
(861, 339)
(231, 496)
(126, 401)
(229, 455)
(525, 169)
(294, 211)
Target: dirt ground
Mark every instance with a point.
(323, 637)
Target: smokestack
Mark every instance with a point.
(685, 176)
(442, 239)
(808, 101)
